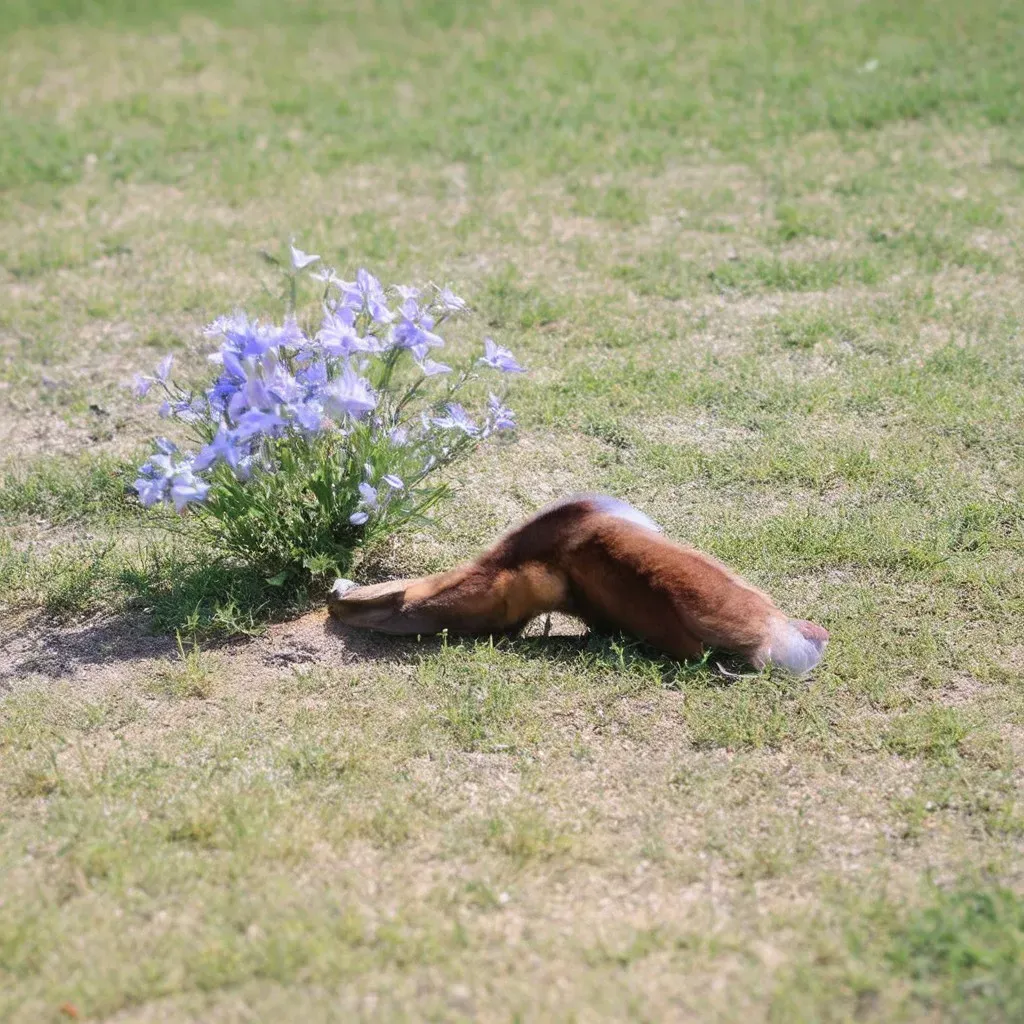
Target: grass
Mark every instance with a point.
(763, 262)
(191, 675)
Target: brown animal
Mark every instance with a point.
(601, 560)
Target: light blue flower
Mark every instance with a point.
(501, 417)
(417, 337)
(368, 495)
(225, 447)
(142, 384)
(326, 274)
(499, 358)
(349, 395)
(313, 376)
(366, 292)
(431, 368)
(368, 502)
(151, 490)
(256, 421)
(450, 301)
(457, 419)
(300, 259)
(186, 487)
(394, 482)
(187, 410)
(223, 324)
(309, 415)
(163, 368)
(339, 338)
(161, 478)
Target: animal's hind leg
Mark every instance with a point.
(476, 598)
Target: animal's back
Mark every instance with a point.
(673, 596)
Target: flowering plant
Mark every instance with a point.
(312, 443)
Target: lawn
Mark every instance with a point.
(764, 263)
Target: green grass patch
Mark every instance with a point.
(763, 265)
(955, 952)
(70, 491)
(791, 275)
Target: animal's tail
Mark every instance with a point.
(795, 645)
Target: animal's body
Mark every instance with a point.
(599, 559)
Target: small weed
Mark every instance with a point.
(525, 837)
(191, 676)
(34, 783)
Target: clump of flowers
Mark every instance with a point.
(309, 442)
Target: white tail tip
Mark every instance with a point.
(797, 646)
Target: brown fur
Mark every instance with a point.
(580, 559)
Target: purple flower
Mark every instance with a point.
(160, 479)
(224, 446)
(255, 421)
(367, 501)
(142, 383)
(255, 395)
(450, 301)
(309, 415)
(457, 419)
(366, 292)
(407, 292)
(416, 337)
(187, 487)
(346, 311)
(340, 338)
(431, 368)
(350, 395)
(499, 358)
(368, 495)
(502, 418)
(398, 436)
(248, 339)
(151, 490)
(283, 387)
(394, 482)
(159, 467)
(164, 368)
(326, 274)
(233, 368)
(223, 324)
(300, 259)
(313, 376)
(186, 410)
